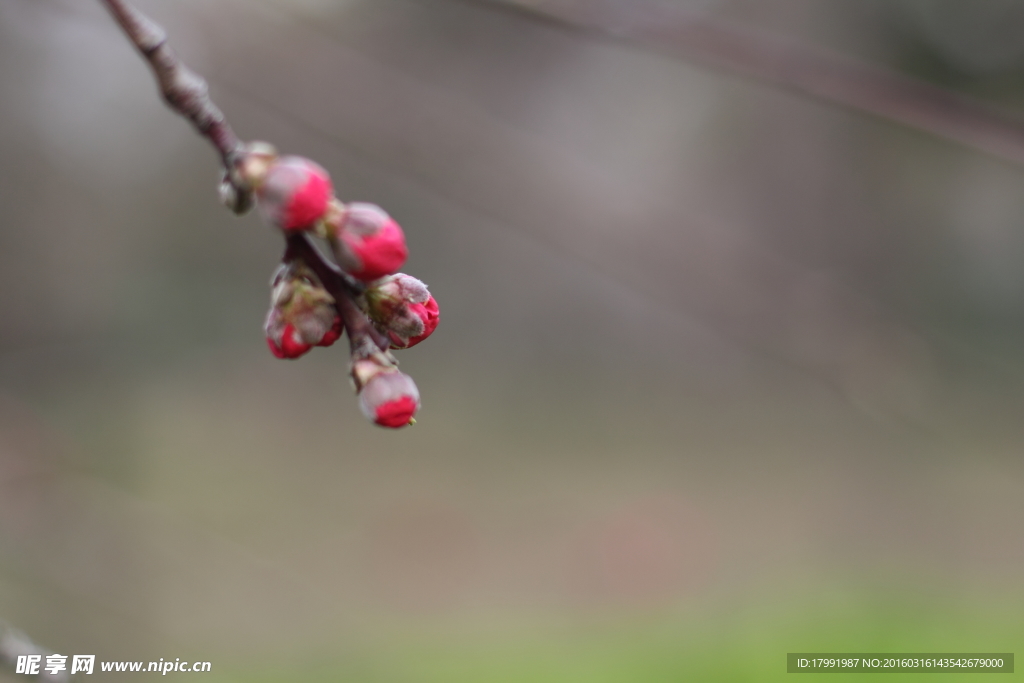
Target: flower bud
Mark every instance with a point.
(294, 193)
(367, 242)
(402, 306)
(302, 313)
(389, 398)
(428, 313)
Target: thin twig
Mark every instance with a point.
(818, 73)
(338, 286)
(183, 89)
(362, 335)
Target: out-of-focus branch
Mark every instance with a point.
(819, 73)
(14, 643)
(185, 91)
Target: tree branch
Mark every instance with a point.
(761, 57)
(339, 286)
(185, 91)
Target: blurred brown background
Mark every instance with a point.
(715, 362)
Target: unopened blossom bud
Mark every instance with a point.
(388, 398)
(302, 314)
(402, 306)
(428, 314)
(367, 242)
(294, 193)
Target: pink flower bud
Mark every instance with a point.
(402, 306)
(302, 314)
(390, 399)
(368, 243)
(294, 193)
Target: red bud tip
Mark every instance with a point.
(333, 334)
(390, 399)
(428, 313)
(370, 242)
(291, 346)
(397, 413)
(295, 193)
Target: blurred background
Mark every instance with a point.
(722, 373)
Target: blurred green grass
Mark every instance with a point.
(748, 643)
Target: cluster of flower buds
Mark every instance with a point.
(313, 302)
